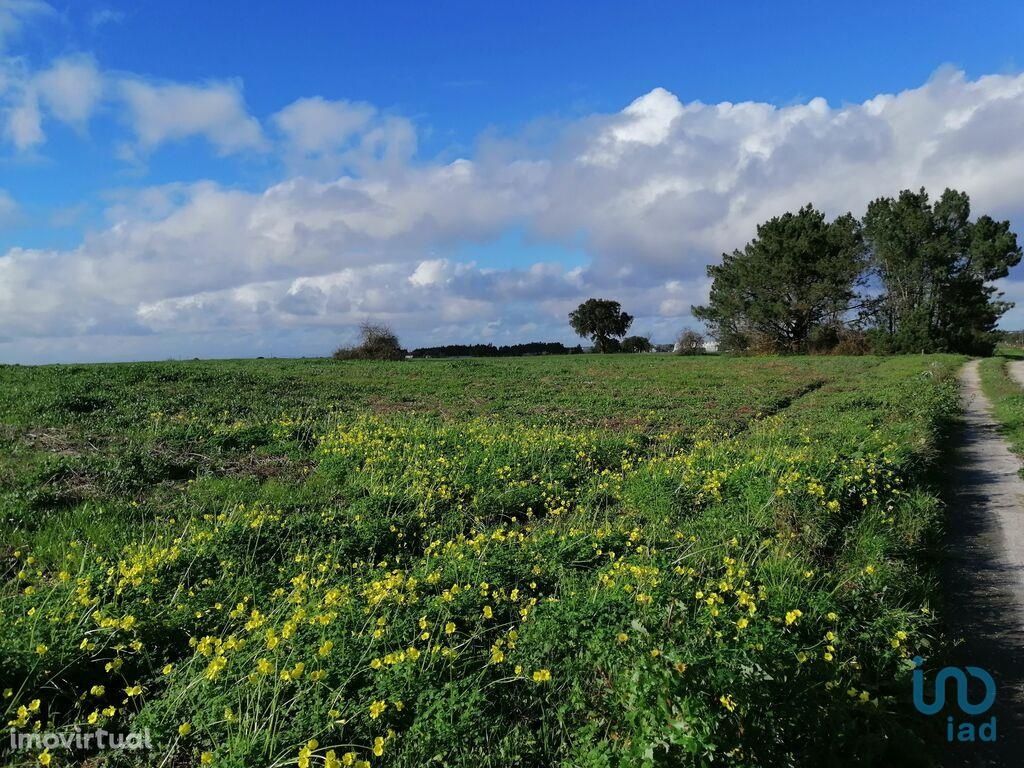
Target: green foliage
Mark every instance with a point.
(626, 561)
(376, 342)
(928, 266)
(637, 344)
(602, 321)
(933, 264)
(796, 276)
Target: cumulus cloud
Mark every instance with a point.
(324, 138)
(663, 181)
(315, 125)
(214, 111)
(652, 194)
(190, 239)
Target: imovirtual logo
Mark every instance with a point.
(965, 721)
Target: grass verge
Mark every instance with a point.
(1006, 396)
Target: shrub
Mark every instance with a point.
(689, 343)
(852, 342)
(637, 344)
(377, 342)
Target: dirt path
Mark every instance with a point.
(985, 568)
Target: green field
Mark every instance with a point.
(585, 561)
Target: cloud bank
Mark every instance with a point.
(360, 227)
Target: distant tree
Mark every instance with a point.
(489, 350)
(933, 265)
(690, 342)
(377, 342)
(798, 274)
(637, 344)
(602, 321)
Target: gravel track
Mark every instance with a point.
(984, 568)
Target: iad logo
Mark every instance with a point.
(965, 730)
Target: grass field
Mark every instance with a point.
(587, 561)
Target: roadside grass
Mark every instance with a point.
(632, 561)
(1006, 396)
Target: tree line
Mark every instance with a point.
(910, 275)
(489, 350)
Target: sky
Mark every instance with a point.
(236, 179)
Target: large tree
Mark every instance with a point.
(793, 280)
(602, 321)
(932, 265)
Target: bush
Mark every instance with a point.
(377, 342)
(689, 343)
(637, 344)
(852, 342)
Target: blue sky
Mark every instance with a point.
(199, 178)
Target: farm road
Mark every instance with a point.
(984, 570)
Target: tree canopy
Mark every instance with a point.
(796, 277)
(914, 275)
(602, 321)
(637, 344)
(932, 265)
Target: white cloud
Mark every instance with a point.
(651, 194)
(647, 121)
(669, 185)
(71, 88)
(430, 272)
(460, 294)
(169, 112)
(24, 126)
(315, 125)
(324, 138)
